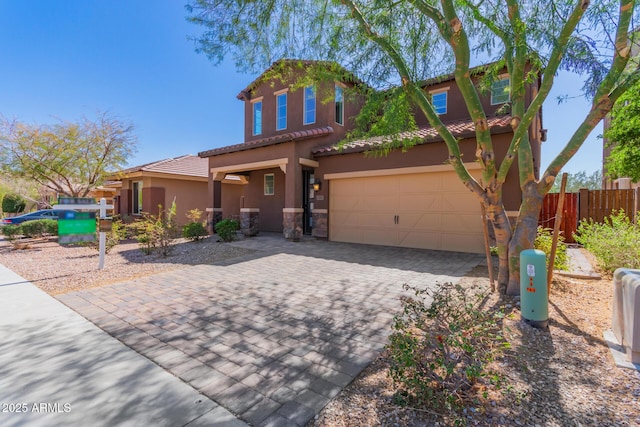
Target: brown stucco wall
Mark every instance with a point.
(188, 194)
(325, 111)
(232, 198)
(422, 155)
(270, 206)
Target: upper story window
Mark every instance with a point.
(257, 117)
(339, 100)
(281, 111)
(439, 101)
(500, 92)
(309, 105)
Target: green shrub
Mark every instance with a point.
(156, 232)
(615, 243)
(543, 241)
(11, 232)
(39, 228)
(226, 229)
(113, 237)
(13, 203)
(439, 350)
(51, 227)
(194, 231)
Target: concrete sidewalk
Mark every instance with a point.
(57, 368)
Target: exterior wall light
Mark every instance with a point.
(316, 186)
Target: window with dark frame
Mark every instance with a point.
(269, 184)
(309, 105)
(136, 196)
(500, 91)
(281, 111)
(439, 102)
(339, 100)
(257, 118)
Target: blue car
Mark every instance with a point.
(31, 216)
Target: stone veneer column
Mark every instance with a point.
(292, 223)
(319, 229)
(249, 221)
(214, 215)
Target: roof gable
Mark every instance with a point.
(292, 65)
(187, 165)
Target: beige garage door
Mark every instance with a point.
(426, 210)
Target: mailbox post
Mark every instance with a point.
(534, 298)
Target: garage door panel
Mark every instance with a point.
(461, 242)
(462, 222)
(418, 183)
(346, 234)
(425, 221)
(460, 202)
(378, 186)
(378, 236)
(347, 219)
(420, 202)
(346, 202)
(420, 240)
(374, 220)
(378, 202)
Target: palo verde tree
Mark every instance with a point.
(401, 43)
(68, 158)
(623, 137)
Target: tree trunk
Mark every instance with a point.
(524, 233)
(502, 232)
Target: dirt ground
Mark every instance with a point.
(564, 376)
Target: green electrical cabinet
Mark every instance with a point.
(534, 296)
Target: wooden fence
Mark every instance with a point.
(587, 204)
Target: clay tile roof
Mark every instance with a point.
(188, 165)
(459, 128)
(272, 140)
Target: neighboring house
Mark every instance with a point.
(291, 176)
(141, 189)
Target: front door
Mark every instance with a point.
(307, 201)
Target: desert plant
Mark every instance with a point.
(544, 239)
(39, 228)
(156, 232)
(144, 232)
(13, 203)
(118, 232)
(226, 229)
(194, 231)
(615, 243)
(11, 232)
(441, 347)
(194, 215)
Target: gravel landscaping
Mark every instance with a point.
(58, 269)
(561, 377)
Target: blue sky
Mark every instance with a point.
(71, 58)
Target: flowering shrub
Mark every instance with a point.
(442, 346)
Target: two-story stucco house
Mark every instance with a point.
(291, 176)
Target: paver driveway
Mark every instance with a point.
(275, 335)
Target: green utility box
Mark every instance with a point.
(534, 296)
